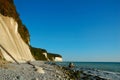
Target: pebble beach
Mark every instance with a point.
(36, 70)
(40, 70)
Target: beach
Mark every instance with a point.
(40, 70)
(37, 70)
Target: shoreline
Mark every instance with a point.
(84, 73)
(44, 70)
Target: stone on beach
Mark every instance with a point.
(36, 70)
(39, 69)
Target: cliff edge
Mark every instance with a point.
(15, 37)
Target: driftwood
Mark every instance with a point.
(9, 54)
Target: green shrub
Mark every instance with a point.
(37, 53)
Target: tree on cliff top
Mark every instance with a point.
(7, 8)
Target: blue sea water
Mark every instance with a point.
(104, 66)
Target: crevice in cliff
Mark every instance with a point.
(8, 54)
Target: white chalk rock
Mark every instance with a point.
(45, 54)
(12, 42)
(39, 69)
(58, 59)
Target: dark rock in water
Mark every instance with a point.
(80, 74)
(71, 65)
(76, 75)
(73, 74)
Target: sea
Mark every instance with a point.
(103, 66)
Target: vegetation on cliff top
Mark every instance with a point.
(7, 8)
(38, 54)
(53, 55)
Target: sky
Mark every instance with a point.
(79, 30)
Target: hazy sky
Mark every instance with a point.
(79, 30)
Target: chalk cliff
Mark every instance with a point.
(15, 37)
(42, 54)
(12, 42)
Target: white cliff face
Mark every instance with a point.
(58, 59)
(11, 40)
(45, 54)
